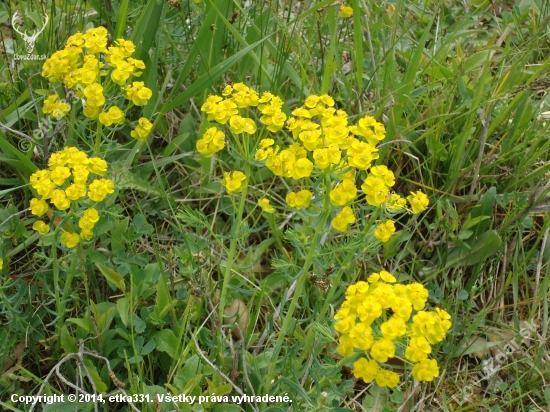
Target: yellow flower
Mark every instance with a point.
(344, 193)
(85, 224)
(59, 174)
(362, 337)
(70, 239)
(366, 369)
(40, 176)
(299, 200)
(418, 349)
(383, 350)
(417, 294)
(138, 93)
(345, 324)
(38, 207)
(383, 173)
(142, 130)
(375, 190)
(393, 328)
(343, 219)
(266, 207)
(41, 227)
(92, 215)
(396, 203)
(76, 191)
(369, 128)
(361, 154)
(384, 231)
(86, 234)
(426, 370)
(91, 112)
(113, 115)
(100, 188)
(239, 125)
(387, 277)
(345, 11)
(346, 346)
(94, 95)
(59, 199)
(45, 188)
(302, 168)
(55, 107)
(1, 263)
(387, 378)
(418, 201)
(212, 141)
(234, 182)
(97, 166)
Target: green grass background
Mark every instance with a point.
(462, 89)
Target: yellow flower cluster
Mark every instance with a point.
(112, 116)
(142, 130)
(265, 205)
(80, 66)
(345, 11)
(377, 318)
(323, 144)
(234, 182)
(66, 181)
(213, 140)
(55, 107)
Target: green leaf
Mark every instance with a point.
(101, 386)
(208, 78)
(463, 295)
(475, 251)
(7, 147)
(67, 341)
(141, 225)
(166, 341)
(112, 276)
(164, 300)
(85, 324)
(121, 20)
(122, 306)
(391, 247)
(148, 348)
(484, 208)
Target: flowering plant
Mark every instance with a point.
(323, 156)
(102, 77)
(68, 184)
(321, 151)
(376, 315)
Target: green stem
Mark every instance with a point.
(59, 309)
(174, 367)
(297, 295)
(70, 276)
(233, 247)
(98, 138)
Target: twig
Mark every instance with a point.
(223, 375)
(17, 132)
(79, 356)
(276, 314)
(539, 263)
(486, 123)
(245, 371)
(393, 142)
(15, 214)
